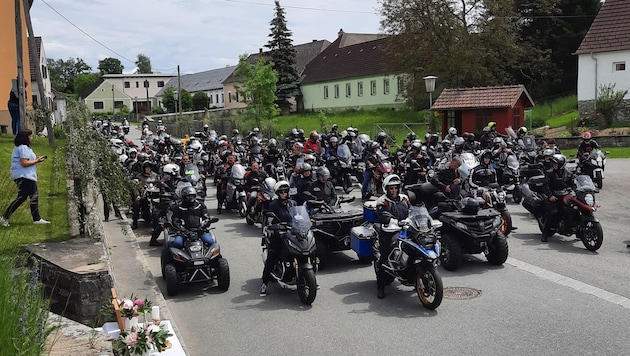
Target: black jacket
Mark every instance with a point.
(281, 209)
(324, 191)
(189, 217)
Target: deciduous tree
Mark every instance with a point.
(110, 66)
(144, 64)
(258, 88)
(62, 73)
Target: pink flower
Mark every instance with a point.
(131, 339)
(138, 302)
(127, 304)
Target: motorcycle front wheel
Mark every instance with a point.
(429, 287)
(599, 180)
(307, 286)
(242, 207)
(506, 223)
(592, 235)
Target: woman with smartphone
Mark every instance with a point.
(24, 173)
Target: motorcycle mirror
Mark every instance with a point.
(213, 220)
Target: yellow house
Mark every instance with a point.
(8, 58)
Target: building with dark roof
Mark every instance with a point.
(355, 71)
(470, 109)
(209, 82)
(604, 53)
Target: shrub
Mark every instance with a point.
(608, 102)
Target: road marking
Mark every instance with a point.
(570, 282)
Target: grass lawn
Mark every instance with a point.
(53, 195)
(614, 152)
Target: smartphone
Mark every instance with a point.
(44, 157)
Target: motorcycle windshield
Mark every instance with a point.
(510, 131)
(419, 218)
(191, 173)
(301, 221)
(512, 162)
(529, 143)
(238, 171)
(343, 152)
(584, 183)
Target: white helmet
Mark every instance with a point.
(122, 158)
(391, 180)
(195, 145)
(452, 131)
(283, 184)
(171, 168)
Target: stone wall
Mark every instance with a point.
(603, 141)
(588, 106)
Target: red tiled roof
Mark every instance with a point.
(481, 98)
(610, 31)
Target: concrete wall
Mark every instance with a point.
(603, 141)
(600, 70)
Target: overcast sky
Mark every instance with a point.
(197, 35)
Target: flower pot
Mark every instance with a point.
(131, 323)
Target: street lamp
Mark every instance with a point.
(429, 82)
(176, 98)
(135, 106)
(146, 86)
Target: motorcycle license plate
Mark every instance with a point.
(292, 191)
(198, 263)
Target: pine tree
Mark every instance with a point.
(283, 57)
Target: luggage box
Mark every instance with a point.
(533, 204)
(361, 240)
(536, 183)
(369, 211)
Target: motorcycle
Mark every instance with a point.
(236, 197)
(509, 177)
(342, 168)
(414, 256)
(578, 210)
(469, 229)
(258, 201)
(593, 166)
(295, 269)
(192, 176)
(379, 173)
(150, 211)
(195, 262)
(494, 197)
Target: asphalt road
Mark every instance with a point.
(548, 299)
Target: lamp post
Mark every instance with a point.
(429, 83)
(146, 86)
(176, 97)
(135, 106)
(113, 102)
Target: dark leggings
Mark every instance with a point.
(26, 189)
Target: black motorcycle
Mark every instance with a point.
(468, 229)
(578, 212)
(414, 256)
(195, 262)
(296, 268)
(341, 168)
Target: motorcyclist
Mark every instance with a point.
(303, 182)
(557, 181)
(486, 138)
(279, 207)
(254, 176)
(452, 134)
(146, 177)
(545, 159)
(448, 180)
(483, 174)
(168, 184)
(322, 189)
(390, 205)
(224, 172)
(236, 137)
(418, 163)
(313, 144)
(371, 162)
(586, 146)
(471, 145)
(381, 138)
(187, 215)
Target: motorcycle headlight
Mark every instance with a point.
(594, 162)
(589, 199)
(195, 248)
(496, 222)
(501, 196)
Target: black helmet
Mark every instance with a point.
(484, 154)
(335, 127)
(323, 172)
(381, 136)
(189, 194)
(470, 206)
(486, 129)
(561, 160)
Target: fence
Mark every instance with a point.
(398, 131)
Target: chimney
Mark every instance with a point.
(340, 33)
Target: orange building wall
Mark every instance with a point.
(8, 58)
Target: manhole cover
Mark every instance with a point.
(461, 293)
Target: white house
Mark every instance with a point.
(604, 55)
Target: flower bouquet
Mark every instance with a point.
(141, 340)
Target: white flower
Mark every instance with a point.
(152, 328)
(128, 304)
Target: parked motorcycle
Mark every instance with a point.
(258, 201)
(593, 166)
(509, 177)
(414, 255)
(195, 262)
(578, 210)
(236, 198)
(494, 197)
(295, 270)
(469, 229)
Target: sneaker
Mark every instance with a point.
(4, 222)
(41, 222)
(263, 290)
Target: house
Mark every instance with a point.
(135, 91)
(354, 71)
(43, 62)
(470, 109)
(209, 82)
(305, 53)
(59, 107)
(604, 54)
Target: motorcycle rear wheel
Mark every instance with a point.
(451, 255)
(592, 235)
(223, 276)
(171, 279)
(429, 287)
(307, 286)
(497, 250)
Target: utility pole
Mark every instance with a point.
(179, 89)
(38, 74)
(20, 63)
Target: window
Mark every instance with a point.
(160, 83)
(229, 96)
(237, 96)
(373, 87)
(348, 90)
(360, 88)
(211, 97)
(619, 66)
(516, 116)
(98, 105)
(336, 91)
(137, 84)
(401, 85)
(127, 85)
(325, 91)
(146, 83)
(386, 86)
(44, 71)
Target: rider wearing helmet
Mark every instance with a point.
(223, 173)
(452, 134)
(322, 189)
(586, 146)
(147, 176)
(381, 138)
(557, 181)
(522, 131)
(448, 180)
(483, 174)
(279, 207)
(391, 205)
(486, 138)
(187, 215)
(371, 162)
(313, 144)
(303, 182)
